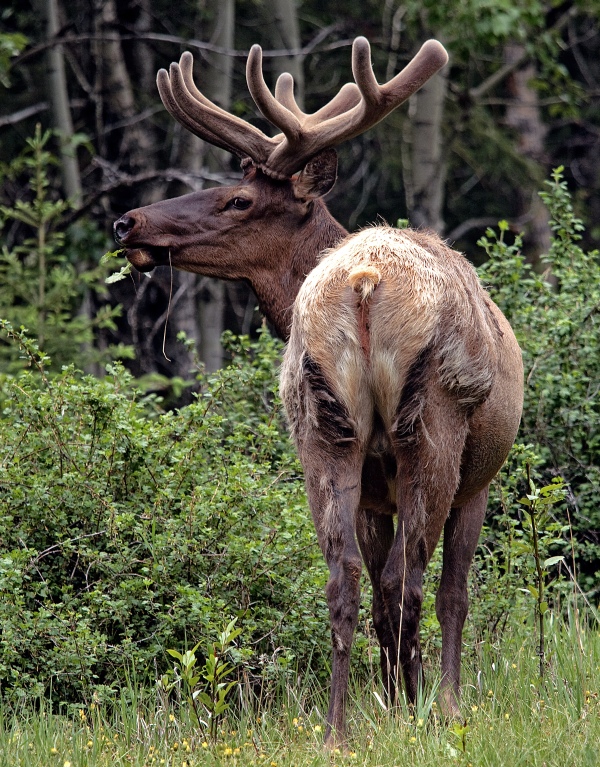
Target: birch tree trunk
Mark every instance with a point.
(425, 169)
(59, 102)
(283, 31)
(523, 114)
(137, 145)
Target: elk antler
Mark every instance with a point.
(207, 120)
(356, 108)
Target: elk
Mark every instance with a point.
(402, 380)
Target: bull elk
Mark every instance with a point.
(402, 380)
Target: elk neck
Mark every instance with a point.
(276, 287)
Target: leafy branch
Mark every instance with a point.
(213, 694)
(538, 503)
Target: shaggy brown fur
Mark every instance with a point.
(402, 384)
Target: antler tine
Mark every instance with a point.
(186, 65)
(278, 114)
(357, 107)
(431, 57)
(362, 70)
(207, 120)
(171, 105)
(347, 97)
(284, 94)
(379, 100)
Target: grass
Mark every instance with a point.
(511, 718)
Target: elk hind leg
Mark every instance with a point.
(428, 460)
(375, 534)
(333, 488)
(461, 535)
(402, 589)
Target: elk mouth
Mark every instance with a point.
(145, 257)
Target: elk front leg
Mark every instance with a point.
(461, 534)
(333, 493)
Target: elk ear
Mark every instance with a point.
(317, 177)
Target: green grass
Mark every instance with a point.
(511, 718)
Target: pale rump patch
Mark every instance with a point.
(375, 302)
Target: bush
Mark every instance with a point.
(557, 322)
(127, 530)
(46, 282)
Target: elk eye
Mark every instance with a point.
(240, 203)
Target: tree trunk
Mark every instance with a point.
(525, 117)
(283, 31)
(137, 146)
(59, 101)
(425, 170)
(216, 86)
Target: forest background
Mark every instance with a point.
(142, 482)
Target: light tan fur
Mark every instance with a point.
(417, 293)
(363, 280)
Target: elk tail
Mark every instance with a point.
(363, 280)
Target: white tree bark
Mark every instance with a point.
(61, 112)
(425, 171)
(525, 117)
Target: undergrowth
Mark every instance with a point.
(509, 718)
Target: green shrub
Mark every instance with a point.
(557, 322)
(45, 273)
(126, 531)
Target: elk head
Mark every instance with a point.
(270, 227)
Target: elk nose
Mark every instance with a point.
(123, 227)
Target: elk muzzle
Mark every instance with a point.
(140, 254)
